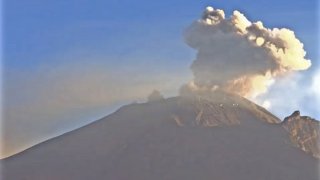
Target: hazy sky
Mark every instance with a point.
(68, 62)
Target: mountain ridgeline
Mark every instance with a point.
(217, 136)
(304, 133)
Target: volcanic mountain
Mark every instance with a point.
(217, 136)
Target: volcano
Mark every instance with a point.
(218, 136)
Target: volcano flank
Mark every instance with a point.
(200, 136)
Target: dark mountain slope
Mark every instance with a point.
(201, 137)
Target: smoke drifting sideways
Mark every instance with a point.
(239, 56)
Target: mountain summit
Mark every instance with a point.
(217, 136)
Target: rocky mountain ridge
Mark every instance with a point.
(304, 132)
(224, 109)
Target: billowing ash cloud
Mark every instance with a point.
(240, 56)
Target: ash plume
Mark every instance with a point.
(240, 56)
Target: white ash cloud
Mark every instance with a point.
(240, 56)
(297, 91)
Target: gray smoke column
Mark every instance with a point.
(239, 56)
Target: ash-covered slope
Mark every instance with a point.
(304, 133)
(201, 137)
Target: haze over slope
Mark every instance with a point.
(188, 137)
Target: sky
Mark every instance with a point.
(69, 62)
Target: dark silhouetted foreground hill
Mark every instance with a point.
(216, 137)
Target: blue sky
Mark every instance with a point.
(38, 30)
(58, 54)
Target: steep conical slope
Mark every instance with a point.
(220, 136)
